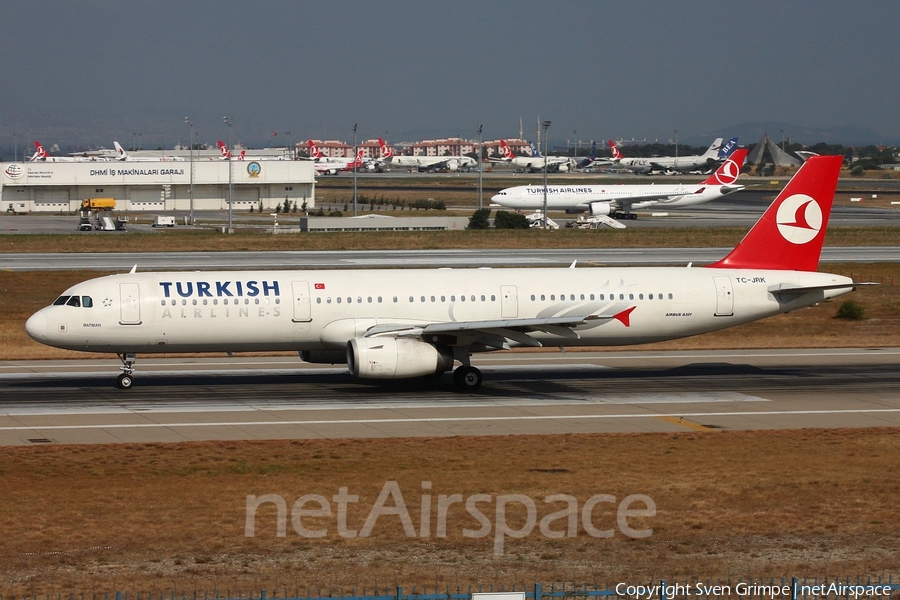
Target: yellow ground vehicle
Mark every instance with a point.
(98, 204)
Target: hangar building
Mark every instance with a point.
(155, 185)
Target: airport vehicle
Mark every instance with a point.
(425, 163)
(98, 204)
(707, 161)
(122, 155)
(84, 224)
(402, 323)
(618, 200)
(164, 221)
(535, 162)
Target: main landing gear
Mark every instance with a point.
(126, 379)
(466, 377)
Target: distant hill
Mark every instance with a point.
(848, 135)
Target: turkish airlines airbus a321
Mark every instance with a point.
(392, 324)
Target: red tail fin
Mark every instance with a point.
(728, 171)
(226, 153)
(615, 151)
(314, 151)
(790, 233)
(507, 151)
(386, 152)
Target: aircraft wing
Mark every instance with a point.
(498, 333)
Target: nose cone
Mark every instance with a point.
(36, 326)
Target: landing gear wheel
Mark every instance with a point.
(124, 381)
(467, 378)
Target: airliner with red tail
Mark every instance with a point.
(535, 162)
(403, 323)
(227, 155)
(425, 163)
(618, 200)
(332, 165)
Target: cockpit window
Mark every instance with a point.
(87, 302)
(61, 300)
(74, 301)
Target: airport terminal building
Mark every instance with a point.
(155, 185)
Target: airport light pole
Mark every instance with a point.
(676, 143)
(290, 147)
(354, 169)
(229, 121)
(190, 123)
(545, 126)
(480, 152)
(16, 148)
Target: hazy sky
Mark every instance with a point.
(93, 70)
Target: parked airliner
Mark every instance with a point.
(41, 155)
(402, 323)
(618, 200)
(716, 153)
(121, 154)
(535, 162)
(424, 163)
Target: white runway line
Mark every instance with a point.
(446, 419)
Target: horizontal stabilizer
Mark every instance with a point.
(786, 289)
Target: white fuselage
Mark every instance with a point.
(322, 310)
(425, 162)
(579, 197)
(536, 163)
(669, 163)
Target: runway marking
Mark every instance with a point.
(686, 423)
(200, 406)
(446, 419)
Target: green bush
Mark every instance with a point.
(480, 219)
(852, 310)
(510, 220)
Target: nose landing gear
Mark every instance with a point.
(126, 379)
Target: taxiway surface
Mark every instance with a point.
(524, 393)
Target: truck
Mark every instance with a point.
(164, 221)
(98, 204)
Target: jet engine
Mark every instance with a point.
(396, 358)
(601, 208)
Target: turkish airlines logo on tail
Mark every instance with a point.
(615, 151)
(728, 173)
(314, 150)
(507, 151)
(799, 219)
(386, 152)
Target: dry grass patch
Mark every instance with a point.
(209, 241)
(729, 504)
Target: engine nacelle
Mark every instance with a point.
(396, 358)
(324, 357)
(601, 209)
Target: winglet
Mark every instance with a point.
(625, 316)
